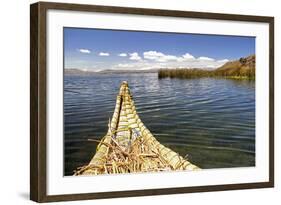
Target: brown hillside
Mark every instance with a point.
(243, 66)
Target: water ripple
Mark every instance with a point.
(211, 120)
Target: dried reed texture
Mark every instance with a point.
(129, 146)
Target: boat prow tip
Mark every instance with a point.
(124, 82)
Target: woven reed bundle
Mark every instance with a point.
(129, 146)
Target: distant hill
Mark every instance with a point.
(75, 71)
(241, 67)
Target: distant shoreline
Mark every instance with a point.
(106, 72)
(199, 73)
(244, 68)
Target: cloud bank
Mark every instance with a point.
(155, 59)
(135, 56)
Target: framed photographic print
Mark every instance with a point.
(133, 102)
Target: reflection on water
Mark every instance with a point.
(210, 120)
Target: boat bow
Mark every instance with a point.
(129, 146)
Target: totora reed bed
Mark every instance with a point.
(129, 147)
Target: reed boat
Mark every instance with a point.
(129, 147)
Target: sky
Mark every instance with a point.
(98, 49)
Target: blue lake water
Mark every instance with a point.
(209, 120)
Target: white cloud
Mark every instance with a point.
(188, 56)
(135, 56)
(123, 55)
(152, 55)
(158, 56)
(161, 57)
(83, 50)
(223, 61)
(103, 54)
(185, 57)
(203, 58)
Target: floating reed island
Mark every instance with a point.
(129, 147)
(244, 68)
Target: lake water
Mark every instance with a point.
(212, 121)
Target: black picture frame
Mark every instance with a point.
(38, 102)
